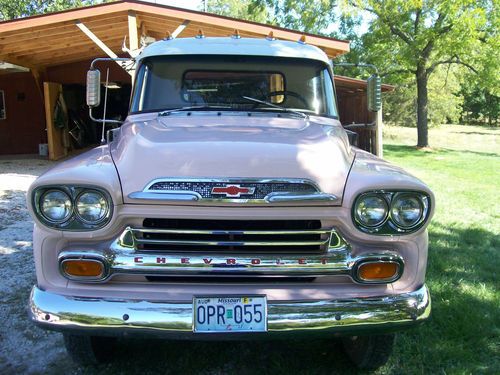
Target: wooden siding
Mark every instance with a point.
(24, 128)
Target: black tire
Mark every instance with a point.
(89, 350)
(369, 352)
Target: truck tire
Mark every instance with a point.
(89, 350)
(369, 352)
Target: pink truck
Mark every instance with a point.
(230, 204)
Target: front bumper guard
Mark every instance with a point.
(120, 317)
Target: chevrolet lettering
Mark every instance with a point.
(230, 204)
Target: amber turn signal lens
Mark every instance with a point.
(378, 271)
(83, 268)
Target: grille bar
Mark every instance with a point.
(164, 235)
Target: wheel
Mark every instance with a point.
(369, 352)
(89, 350)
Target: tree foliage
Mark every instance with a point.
(243, 9)
(414, 38)
(10, 9)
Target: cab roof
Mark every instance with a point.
(233, 46)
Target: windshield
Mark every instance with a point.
(222, 82)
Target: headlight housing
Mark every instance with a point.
(67, 207)
(391, 212)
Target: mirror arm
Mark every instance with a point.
(95, 61)
(101, 120)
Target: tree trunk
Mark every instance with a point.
(422, 109)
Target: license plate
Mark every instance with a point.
(229, 314)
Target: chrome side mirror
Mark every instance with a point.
(93, 88)
(374, 93)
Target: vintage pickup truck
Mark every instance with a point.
(229, 205)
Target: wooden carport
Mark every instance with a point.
(54, 39)
(57, 48)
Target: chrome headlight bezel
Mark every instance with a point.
(73, 222)
(391, 226)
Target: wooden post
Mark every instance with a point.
(55, 137)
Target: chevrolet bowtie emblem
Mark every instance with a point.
(233, 191)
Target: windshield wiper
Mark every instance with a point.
(193, 108)
(284, 109)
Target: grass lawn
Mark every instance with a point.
(464, 173)
(463, 335)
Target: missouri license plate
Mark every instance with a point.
(229, 314)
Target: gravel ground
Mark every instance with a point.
(26, 349)
(23, 347)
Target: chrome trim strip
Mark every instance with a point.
(108, 316)
(165, 195)
(230, 243)
(245, 232)
(290, 197)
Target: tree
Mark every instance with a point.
(10, 9)
(415, 37)
(243, 9)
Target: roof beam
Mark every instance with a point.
(95, 39)
(99, 43)
(180, 29)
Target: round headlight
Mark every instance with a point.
(406, 210)
(92, 206)
(371, 210)
(55, 206)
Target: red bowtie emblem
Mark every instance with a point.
(233, 191)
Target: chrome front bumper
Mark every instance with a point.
(120, 317)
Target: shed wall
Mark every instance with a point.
(24, 128)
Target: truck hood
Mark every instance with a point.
(225, 145)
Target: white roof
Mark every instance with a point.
(233, 46)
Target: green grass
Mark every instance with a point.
(463, 334)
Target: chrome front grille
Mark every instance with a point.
(231, 236)
(259, 190)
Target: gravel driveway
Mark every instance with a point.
(23, 347)
(26, 349)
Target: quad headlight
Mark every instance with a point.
(391, 212)
(371, 210)
(406, 210)
(72, 207)
(92, 206)
(56, 206)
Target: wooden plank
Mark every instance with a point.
(95, 39)
(132, 31)
(55, 136)
(68, 35)
(99, 43)
(180, 29)
(71, 45)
